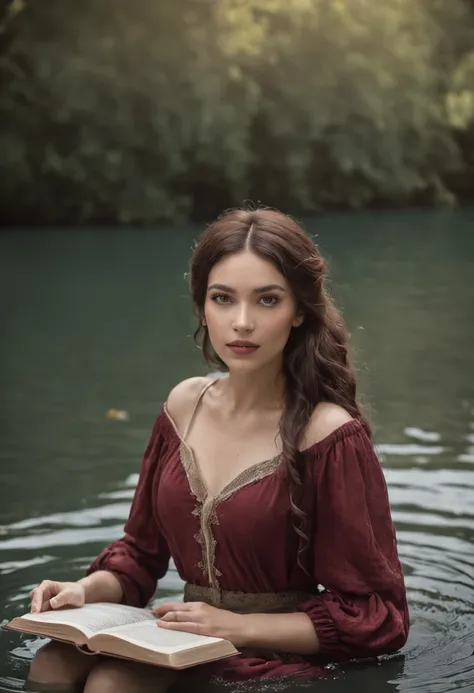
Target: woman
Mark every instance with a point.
(262, 485)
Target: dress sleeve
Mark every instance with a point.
(363, 610)
(141, 557)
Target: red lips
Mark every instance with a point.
(242, 343)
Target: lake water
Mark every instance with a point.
(100, 319)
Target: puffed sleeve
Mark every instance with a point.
(141, 557)
(363, 611)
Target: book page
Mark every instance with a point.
(92, 618)
(150, 636)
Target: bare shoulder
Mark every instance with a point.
(182, 398)
(325, 419)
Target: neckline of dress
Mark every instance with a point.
(253, 473)
(256, 471)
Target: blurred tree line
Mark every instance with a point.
(145, 111)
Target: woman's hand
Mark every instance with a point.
(202, 619)
(52, 595)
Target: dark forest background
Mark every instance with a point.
(140, 112)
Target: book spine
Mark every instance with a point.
(85, 650)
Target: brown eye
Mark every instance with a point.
(221, 299)
(269, 300)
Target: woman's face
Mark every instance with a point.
(249, 311)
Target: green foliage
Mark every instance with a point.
(145, 111)
(460, 97)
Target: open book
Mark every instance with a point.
(124, 631)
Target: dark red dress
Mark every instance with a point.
(243, 541)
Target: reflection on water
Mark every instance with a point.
(90, 336)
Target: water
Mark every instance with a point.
(100, 319)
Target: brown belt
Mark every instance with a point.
(245, 602)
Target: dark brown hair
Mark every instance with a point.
(316, 361)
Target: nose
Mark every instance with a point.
(243, 321)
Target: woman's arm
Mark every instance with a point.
(102, 586)
(363, 610)
(280, 632)
(129, 568)
(99, 587)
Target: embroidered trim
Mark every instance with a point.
(205, 537)
(196, 485)
(206, 506)
(250, 476)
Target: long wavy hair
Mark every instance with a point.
(316, 362)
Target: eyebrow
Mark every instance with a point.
(259, 290)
